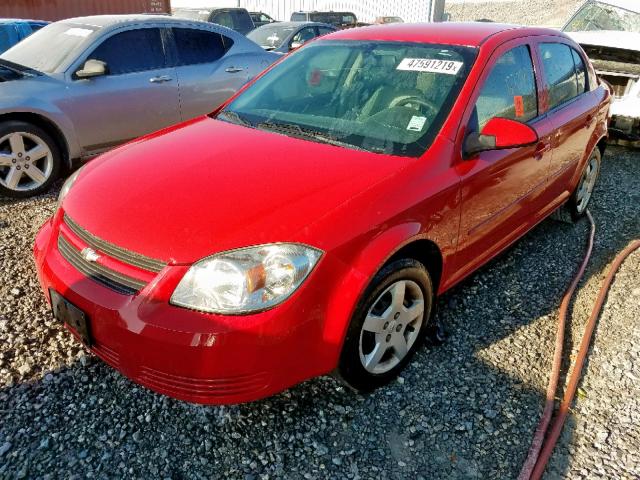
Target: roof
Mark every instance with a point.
(296, 24)
(470, 34)
(108, 20)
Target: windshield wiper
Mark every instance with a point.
(232, 117)
(16, 67)
(295, 130)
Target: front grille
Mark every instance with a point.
(119, 253)
(203, 388)
(105, 276)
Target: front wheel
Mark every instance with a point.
(388, 325)
(30, 160)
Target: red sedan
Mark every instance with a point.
(306, 226)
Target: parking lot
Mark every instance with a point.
(466, 409)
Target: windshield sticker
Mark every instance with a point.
(416, 123)
(449, 67)
(79, 32)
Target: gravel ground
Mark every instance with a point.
(466, 409)
(550, 13)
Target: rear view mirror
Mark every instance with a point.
(92, 68)
(499, 134)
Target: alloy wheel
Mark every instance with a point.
(587, 182)
(392, 326)
(26, 161)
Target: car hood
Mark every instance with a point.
(606, 38)
(209, 186)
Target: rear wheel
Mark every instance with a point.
(388, 325)
(576, 206)
(29, 159)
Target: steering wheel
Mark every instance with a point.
(412, 101)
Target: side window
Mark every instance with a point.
(581, 71)
(509, 91)
(198, 46)
(131, 51)
(324, 30)
(303, 35)
(298, 17)
(559, 72)
(224, 19)
(8, 37)
(36, 26)
(242, 21)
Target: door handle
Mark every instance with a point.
(160, 79)
(541, 149)
(234, 69)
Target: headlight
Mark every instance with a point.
(66, 186)
(246, 280)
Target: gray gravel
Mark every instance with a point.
(466, 409)
(550, 13)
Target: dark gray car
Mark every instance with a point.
(282, 37)
(81, 86)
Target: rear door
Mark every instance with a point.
(138, 95)
(208, 72)
(502, 189)
(571, 106)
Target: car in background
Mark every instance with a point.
(237, 19)
(340, 20)
(13, 31)
(307, 226)
(81, 86)
(383, 20)
(282, 37)
(609, 32)
(260, 19)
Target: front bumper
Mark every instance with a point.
(194, 356)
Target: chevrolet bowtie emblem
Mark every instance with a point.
(90, 255)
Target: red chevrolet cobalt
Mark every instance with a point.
(306, 226)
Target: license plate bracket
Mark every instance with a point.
(66, 312)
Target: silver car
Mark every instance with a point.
(81, 86)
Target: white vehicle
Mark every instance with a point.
(609, 32)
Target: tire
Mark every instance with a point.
(576, 207)
(370, 360)
(23, 175)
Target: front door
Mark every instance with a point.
(138, 94)
(501, 188)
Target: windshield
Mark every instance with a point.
(191, 14)
(270, 36)
(49, 47)
(383, 97)
(601, 16)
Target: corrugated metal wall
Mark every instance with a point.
(365, 10)
(59, 9)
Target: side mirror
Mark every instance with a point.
(295, 45)
(92, 68)
(500, 134)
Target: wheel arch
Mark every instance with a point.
(402, 241)
(47, 125)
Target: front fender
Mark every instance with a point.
(358, 274)
(50, 113)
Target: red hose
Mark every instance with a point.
(541, 447)
(538, 438)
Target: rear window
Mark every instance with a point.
(559, 72)
(199, 46)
